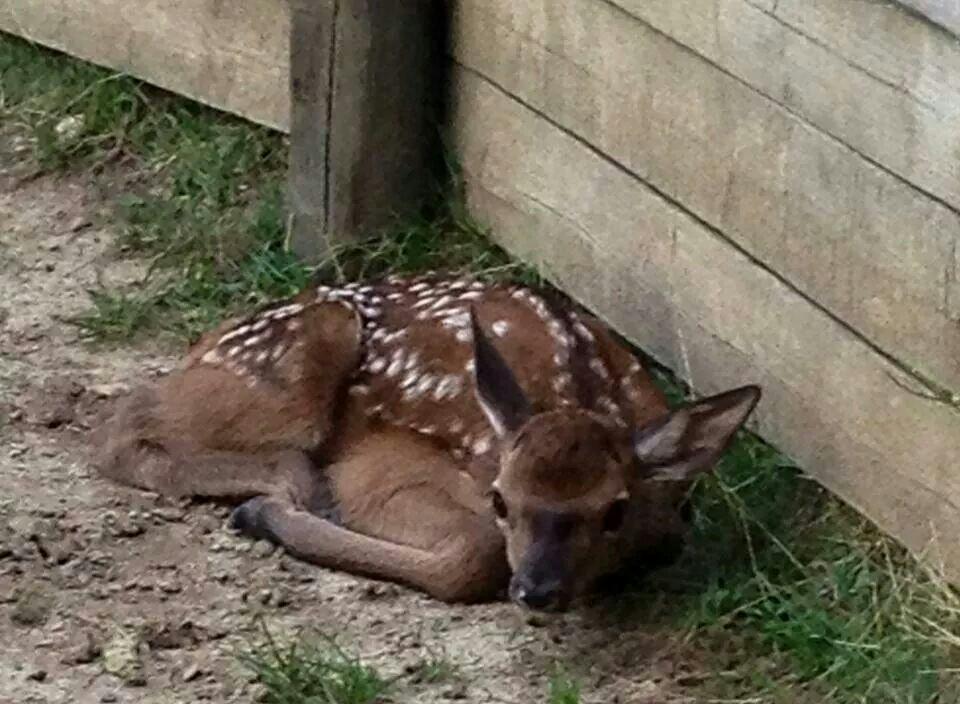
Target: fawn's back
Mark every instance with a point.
(408, 358)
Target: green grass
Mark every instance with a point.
(787, 585)
(782, 584)
(202, 199)
(564, 689)
(312, 670)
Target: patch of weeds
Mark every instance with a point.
(312, 671)
(564, 689)
(794, 592)
(207, 206)
(202, 193)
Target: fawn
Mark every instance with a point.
(448, 434)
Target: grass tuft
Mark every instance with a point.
(199, 195)
(786, 585)
(564, 689)
(312, 671)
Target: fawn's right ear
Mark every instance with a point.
(689, 440)
(498, 392)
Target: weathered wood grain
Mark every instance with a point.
(867, 73)
(946, 13)
(866, 246)
(682, 292)
(231, 55)
(365, 76)
(311, 41)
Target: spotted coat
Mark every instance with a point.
(416, 369)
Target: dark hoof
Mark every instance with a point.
(250, 520)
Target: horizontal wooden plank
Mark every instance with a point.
(698, 304)
(231, 55)
(863, 244)
(867, 73)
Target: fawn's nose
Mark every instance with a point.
(541, 596)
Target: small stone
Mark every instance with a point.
(169, 587)
(192, 672)
(127, 527)
(282, 598)
(108, 390)
(84, 651)
(208, 524)
(376, 591)
(37, 675)
(456, 691)
(80, 222)
(108, 697)
(174, 636)
(263, 549)
(170, 514)
(32, 608)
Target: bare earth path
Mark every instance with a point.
(96, 578)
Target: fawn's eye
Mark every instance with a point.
(615, 516)
(499, 505)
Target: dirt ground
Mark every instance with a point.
(110, 595)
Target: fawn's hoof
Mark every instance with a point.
(250, 520)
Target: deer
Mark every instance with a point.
(472, 440)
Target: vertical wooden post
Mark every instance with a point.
(363, 133)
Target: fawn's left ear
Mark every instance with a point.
(498, 392)
(689, 440)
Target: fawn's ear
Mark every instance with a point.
(498, 392)
(689, 440)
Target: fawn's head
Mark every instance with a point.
(566, 496)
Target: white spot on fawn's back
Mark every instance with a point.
(425, 383)
(396, 364)
(449, 387)
(233, 334)
(483, 445)
(599, 368)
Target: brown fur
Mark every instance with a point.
(304, 409)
